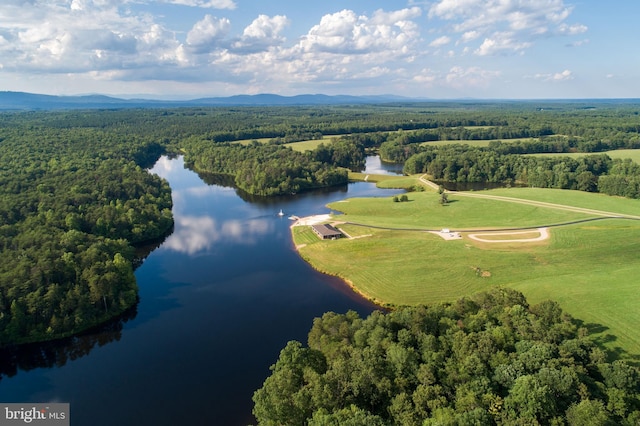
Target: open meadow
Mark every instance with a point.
(591, 268)
(633, 154)
(301, 146)
(475, 142)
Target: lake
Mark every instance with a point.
(219, 299)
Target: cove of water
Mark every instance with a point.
(375, 166)
(219, 299)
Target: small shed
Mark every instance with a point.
(326, 232)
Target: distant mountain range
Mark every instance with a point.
(30, 101)
(21, 101)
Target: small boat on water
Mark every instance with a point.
(281, 213)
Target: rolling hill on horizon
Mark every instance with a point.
(17, 101)
(24, 101)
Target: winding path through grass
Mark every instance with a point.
(533, 203)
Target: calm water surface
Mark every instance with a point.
(218, 300)
(377, 167)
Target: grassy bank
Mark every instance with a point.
(590, 268)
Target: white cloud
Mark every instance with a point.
(555, 77)
(207, 33)
(457, 77)
(381, 17)
(345, 32)
(262, 33)
(266, 27)
(578, 43)
(440, 41)
(373, 72)
(426, 77)
(469, 36)
(522, 20)
(564, 75)
(213, 4)
(472, 77)
(342, 48)
(572, 29)
(81, 36)
(120, 44)
(501, 43)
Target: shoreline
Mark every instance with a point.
(317, 219)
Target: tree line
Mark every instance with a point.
(591, 173)
(486, 359)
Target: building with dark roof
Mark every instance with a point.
(326, 232)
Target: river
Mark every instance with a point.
(219, 298)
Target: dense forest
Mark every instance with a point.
(75, 196)
(274, 169)
(485, 359)
(73, 203)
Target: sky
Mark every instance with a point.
(441, 49)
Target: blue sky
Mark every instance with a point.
(435, 48)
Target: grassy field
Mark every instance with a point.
(389, 181)
(310, 145)
(296, 146)
(633, 154)
(474, 142)
(590, 268)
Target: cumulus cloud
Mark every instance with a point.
(121, 41)
(342, 47)
(262, 33)
(207, 33)
(346, 32)
(81, 36)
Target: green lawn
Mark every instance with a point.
(296, 146)
(389, 181)
(424, 211)
(573, 198)
(475, 142)
(633, 154)
(592, 269)
(312, 144)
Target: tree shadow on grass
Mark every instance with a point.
(598, 334)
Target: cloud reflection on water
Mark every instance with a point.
(194, 234)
